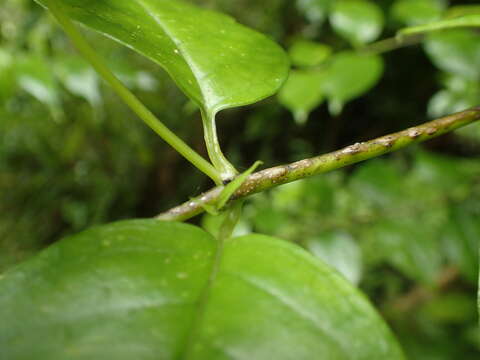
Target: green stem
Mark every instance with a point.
(391, 44)
(226, 169)
(270, 178)
(131, 100)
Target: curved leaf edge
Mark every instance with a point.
(212, 111)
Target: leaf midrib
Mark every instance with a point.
(289, 304)
(202, 303)
(196, 72)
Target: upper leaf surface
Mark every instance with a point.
(34, 76)
(273, 300)
(350, 75)
(131, 291)
(339, 250)
(314, 10)
(309, 53)
(217, 62)
(455, 51)
(358, 21)
(303, 92)
(417, 12)
(123, 291)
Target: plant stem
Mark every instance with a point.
(393, 43)
(269, 178)
(130, 99)
(226, 169)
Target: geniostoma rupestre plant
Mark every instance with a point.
(152, 289)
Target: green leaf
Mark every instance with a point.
(380, 183)
(7, 78)
(79, 78)
(134, 78)
(460, 93)
(460, 238)
(217, 62)
(464, 21)
(445, 173)
(462, 10)
(411, 249)
(347, 76)
(351, 75)
(145, 290)
(267, 218)
(35, 76)
(358, 21)
(417, 12)
(456, 52)
(314, 10)
(340, 251)
(302, 93)
(304, 53)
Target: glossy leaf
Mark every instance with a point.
(464, 21)
(314, 10)
(142, 290)
(411, 249)
(417, 12)
(340, 251)
(448, 173)
(459, 93)
(380, 183)
(302, 93)
(7, 78)
(460, 238)
(358, 21)
(35, 76)
(446, 102)
(392, 235)
(80, 79)
(304, 53)
(134, 78)
(456, 51)
(217, 62)
(350, 75)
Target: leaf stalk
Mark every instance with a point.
(219, 161)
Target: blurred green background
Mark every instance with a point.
(404, 228)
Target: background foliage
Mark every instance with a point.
(404, 228)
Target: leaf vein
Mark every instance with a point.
(288, 303)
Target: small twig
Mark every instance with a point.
(393, 43)
(269, 178)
